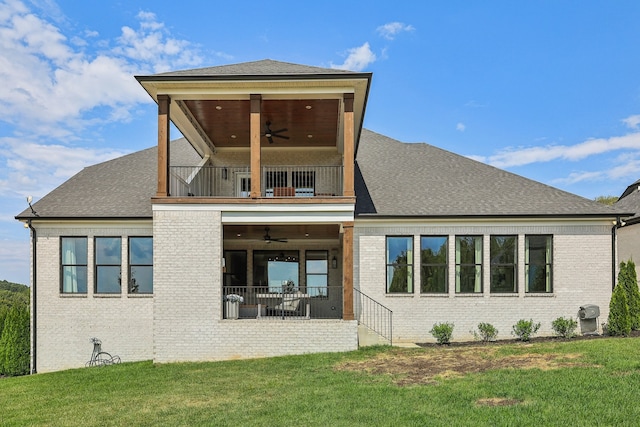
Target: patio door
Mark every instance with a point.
(243, 184)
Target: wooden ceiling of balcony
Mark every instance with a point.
(309, 122)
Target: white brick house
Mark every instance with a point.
(276, 194)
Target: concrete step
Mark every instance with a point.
(368, 337)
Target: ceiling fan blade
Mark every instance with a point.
(279, 130)
(270, 138)
(280, 136)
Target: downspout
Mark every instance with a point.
(613, 251)
(34, 302)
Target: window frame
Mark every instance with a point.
(74, 265)
(478, 265)
(424, 265)
(265, 268)
(97, 266)
(317, 290)
(497, 265)
(548, 265)
(394, 265)
(131, 265)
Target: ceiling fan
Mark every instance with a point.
(270, 134)
(267, 238)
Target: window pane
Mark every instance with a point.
(537, 278)
(74, 279)
(141, 280)
(503, 249)
(433, 250)
(468, 278)
(503, 279)
(141, 250)
(108, 279)
(433, 279)
(467, 253)
(317, 266)
(398, 249)
(74, 250)
(399, 278)
(108, 250)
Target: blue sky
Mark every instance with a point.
(546, 89)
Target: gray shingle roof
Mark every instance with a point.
(265, 67)
(118, 188)
(400, 179)
(630, 201)
(393, 179)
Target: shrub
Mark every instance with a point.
(14, 343)
(442, 332)
(486, 332)
(628, 279)
(619, 323)
(525, 329)
(565, 328)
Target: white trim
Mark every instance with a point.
(328, 213)
(498, 222)
(285, 217)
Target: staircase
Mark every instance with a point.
(375, 321)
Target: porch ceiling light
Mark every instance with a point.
(308, 107)
(309, 136)
(218, 107)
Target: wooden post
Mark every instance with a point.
(347, 271)
(163, 145)
(349, 146)
(256, 101)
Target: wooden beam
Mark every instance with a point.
(164, 121)
(256, 101)
(347, 271)
(349, 146)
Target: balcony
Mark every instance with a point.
(310, 302)
(276, 181)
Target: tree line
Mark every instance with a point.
(14, 329)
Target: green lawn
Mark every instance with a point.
(594, 382)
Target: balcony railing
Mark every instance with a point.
(235, 181)
(317, 302)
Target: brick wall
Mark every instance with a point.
(581, 275)
(188, 306)
(67, 322)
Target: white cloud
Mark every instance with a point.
(52, 86)
(461, 127)
(523, 156)
(632, 122)
(392, 29)
(35, 169)
(14, 260)
(358, 59)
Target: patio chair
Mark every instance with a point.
(290, 306)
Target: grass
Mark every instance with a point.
(598, 387)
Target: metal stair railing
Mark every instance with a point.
(373, 315)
